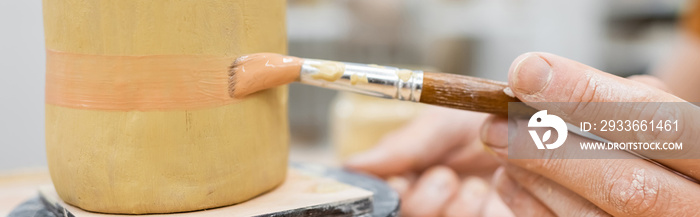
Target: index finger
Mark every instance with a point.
(427, 140)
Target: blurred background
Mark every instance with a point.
(470, 37)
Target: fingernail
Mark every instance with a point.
(475, 186)
(433, 190)
(495, 133)
(531, 74)
(441, 183)
(399, 184)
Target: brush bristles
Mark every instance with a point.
(256, 72)
(232, 80)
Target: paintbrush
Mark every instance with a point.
(255, 72)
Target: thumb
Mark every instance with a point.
(545, 77)
(651, 81)
(576, 93)
(579, 93)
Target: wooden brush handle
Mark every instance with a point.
(466, 93)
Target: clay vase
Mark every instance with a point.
(138, 117)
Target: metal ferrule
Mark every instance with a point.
(382, 81)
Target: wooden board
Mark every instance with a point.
(302, 194)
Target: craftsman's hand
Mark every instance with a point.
(438, 165)
(437, 136)
(589, 187)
